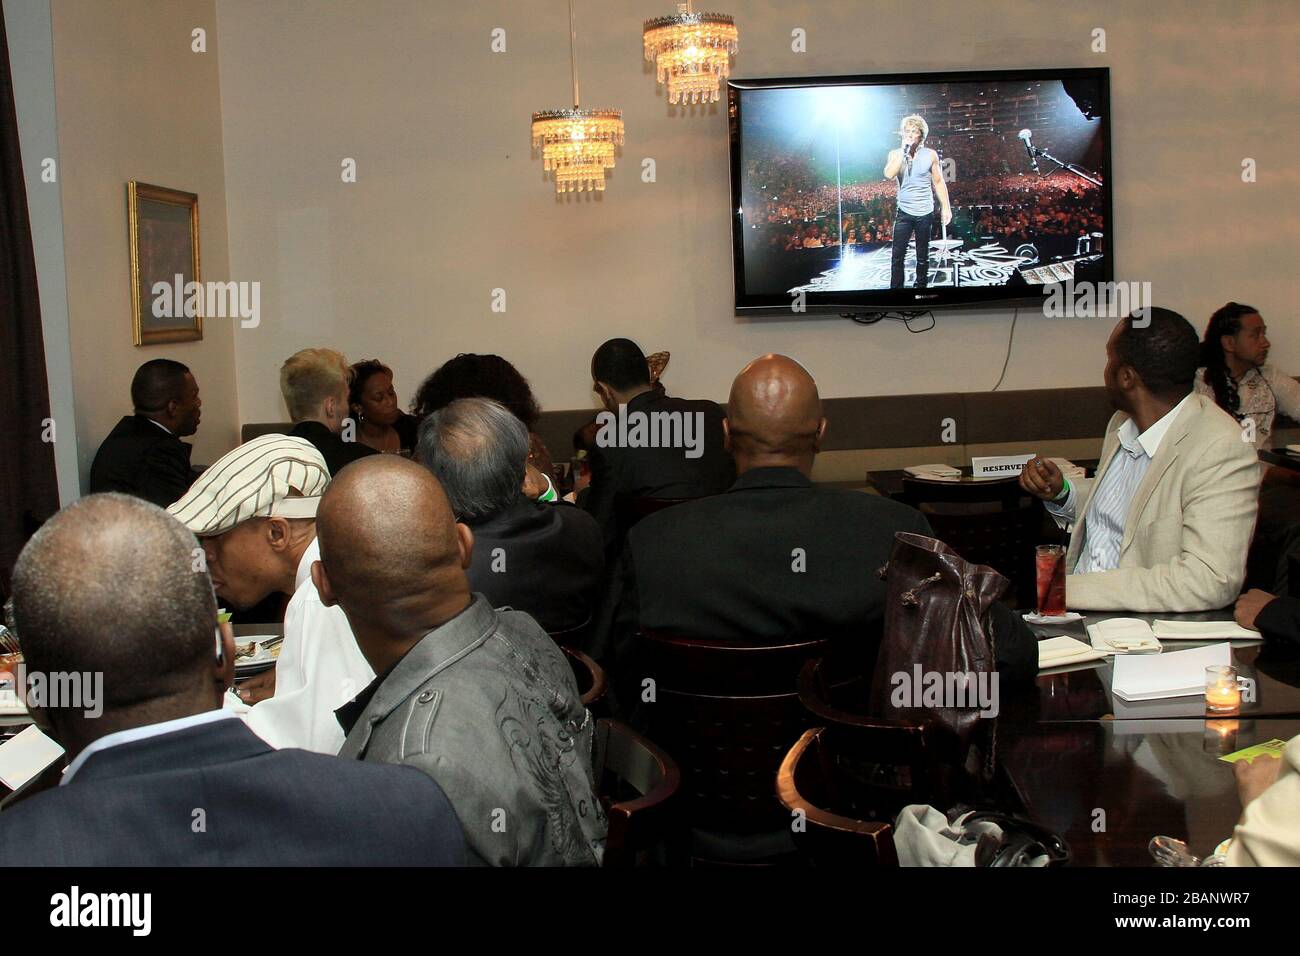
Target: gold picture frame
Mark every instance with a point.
(164, 236)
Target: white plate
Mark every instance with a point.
(262, 658)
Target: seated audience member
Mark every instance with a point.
(143, 455)
(1165, 524)
(383, 425)
(158, 745)
(1235, 373)
(486, 376)
(314, 383)
(481, 700)
(542, 559)
(621, 377)
(776, 557)
(254, 511)
(1275, 617)
(1268, 833)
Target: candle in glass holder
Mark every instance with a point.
(1222, 695)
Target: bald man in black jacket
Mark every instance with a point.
(776, 557)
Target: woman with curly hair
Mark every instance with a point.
(470, 375)
(1235, 373)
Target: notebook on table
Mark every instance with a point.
(1177, 674)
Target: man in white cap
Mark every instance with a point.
(254, 511)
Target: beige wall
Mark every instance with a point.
(134, 102)
(450, 204)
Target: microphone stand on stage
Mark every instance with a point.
(1035, 151)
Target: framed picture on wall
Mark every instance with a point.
(164, 227)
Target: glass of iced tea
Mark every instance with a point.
(1049, 565)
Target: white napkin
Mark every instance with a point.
(1063, 650)
(933, 472)
(25, 756)
(1123, 635)
(1153, 676)
(1204, 631)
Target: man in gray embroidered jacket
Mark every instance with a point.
(482, 700)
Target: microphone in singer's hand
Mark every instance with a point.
(1025, 137)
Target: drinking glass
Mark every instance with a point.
(1049, 565)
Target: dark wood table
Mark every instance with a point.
(1083, 692)
(1109, 786)
(889, 482)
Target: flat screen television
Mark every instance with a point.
(1021, 156)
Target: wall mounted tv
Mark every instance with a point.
(837, 183)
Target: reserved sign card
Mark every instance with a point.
(998, 466)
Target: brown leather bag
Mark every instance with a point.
(936, 618)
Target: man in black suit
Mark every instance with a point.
(144, 455)
(544, 559)
(648, 444)
(314, 383)
(776, 557)
(160, 775)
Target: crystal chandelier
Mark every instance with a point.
(577, 145)
(693, 51)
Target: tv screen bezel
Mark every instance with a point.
(840, 303)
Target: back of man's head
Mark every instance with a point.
(113, 585)
(621, 365)
(388, 542)
(774, 414)
(156, 383)
(1164, 350)
(309, 377)
(477, 448)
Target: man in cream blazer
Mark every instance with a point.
(1166, 523)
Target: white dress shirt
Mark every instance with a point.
(320, 668)
(1109, 506)
(141, 733)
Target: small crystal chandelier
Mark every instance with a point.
(577, 145)
(693, 50)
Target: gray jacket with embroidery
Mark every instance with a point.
(487, 706)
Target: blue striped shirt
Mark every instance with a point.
(1109, 505)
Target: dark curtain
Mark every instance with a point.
(28, 488)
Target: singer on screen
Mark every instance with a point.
(916, 167)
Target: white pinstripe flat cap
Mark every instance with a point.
(270, 476)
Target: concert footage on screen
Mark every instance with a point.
(853, 188)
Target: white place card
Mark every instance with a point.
(998, 466)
